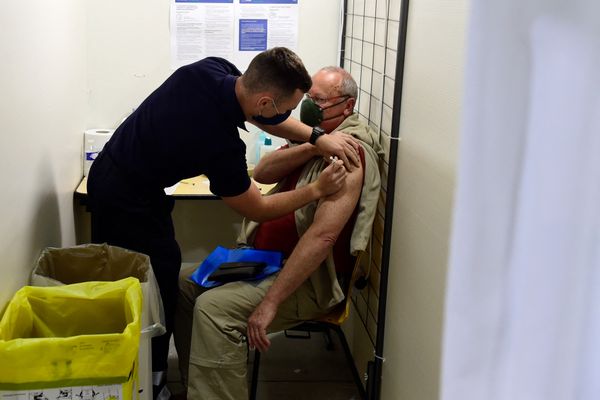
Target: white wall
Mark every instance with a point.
(42, 114)
(128, 56)
(430, 123)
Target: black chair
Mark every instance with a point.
(325, 324)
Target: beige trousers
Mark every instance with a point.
(210, 332)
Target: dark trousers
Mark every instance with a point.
(138, 221)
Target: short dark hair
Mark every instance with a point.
(278, 69)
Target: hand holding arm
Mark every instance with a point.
(341, 145)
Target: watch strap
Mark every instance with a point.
(316, 133)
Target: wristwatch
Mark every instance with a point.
(316, 133)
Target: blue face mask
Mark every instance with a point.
(274, 120)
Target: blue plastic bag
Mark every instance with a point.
(221, 255)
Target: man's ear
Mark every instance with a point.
(349, 109)
(263, 101)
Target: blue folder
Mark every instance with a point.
(222, 255)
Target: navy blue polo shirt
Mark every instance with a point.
(186, 127)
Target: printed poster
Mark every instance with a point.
(233, 29)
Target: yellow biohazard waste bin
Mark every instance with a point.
(101, 262)
(75, 341)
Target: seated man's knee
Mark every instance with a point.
(210, 304)
(223, 308)
(215, 325)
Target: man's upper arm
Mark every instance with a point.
(334, 211)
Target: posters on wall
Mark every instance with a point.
(233, 29)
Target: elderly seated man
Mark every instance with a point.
(319, 242)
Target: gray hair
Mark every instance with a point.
(349, 87)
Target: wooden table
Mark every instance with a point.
(197, 188)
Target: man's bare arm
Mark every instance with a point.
(312, 249)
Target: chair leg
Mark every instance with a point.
(328, 342)
(254, 383)
(350, 360)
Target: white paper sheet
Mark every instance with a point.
(201, 28)
(171, 189)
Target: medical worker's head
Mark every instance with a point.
(330, 100)
(274, 84)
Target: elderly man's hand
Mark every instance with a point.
(258, 323)
(341, 145)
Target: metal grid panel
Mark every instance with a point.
(370, 45)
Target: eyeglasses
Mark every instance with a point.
(320, 100)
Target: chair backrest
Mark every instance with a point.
(341, 312)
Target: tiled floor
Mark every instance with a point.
(295, 369)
